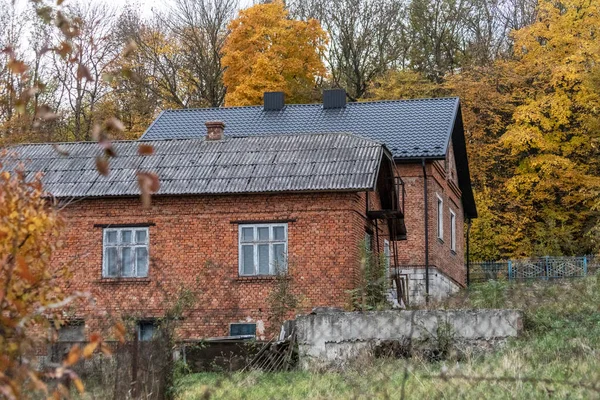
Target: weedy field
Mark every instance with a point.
(557, 356)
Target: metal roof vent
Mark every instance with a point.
(334, 98)
(273, 101)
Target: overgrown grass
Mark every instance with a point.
(558, 356)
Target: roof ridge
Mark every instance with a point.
(353, 104)
(199, 139)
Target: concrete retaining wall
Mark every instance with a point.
(335, 338)
(440, 286)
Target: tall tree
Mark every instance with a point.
(201, 29)
(268, 51)
(554, 137)
(367, 38)
(80, 67)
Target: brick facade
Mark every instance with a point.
(441, 181)
(193, 244)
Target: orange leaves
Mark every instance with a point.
(84, 72)
(268, 51)
(102, 165)
(73, 357)
(17, 66)
(148, 183)
(95, 342)
(145, 150)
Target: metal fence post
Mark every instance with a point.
(509, 269)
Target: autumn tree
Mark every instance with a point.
(267, 51)
(554, 137)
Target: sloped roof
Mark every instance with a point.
(409, 128)
(258, 164)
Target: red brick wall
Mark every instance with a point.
(194, 245)
(441, 181)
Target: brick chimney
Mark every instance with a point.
(214, 130)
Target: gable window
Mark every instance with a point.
(242, 329)
(440, 218)
(262, 249)
(125, 253)
(452, 231)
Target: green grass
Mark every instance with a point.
(558, 356)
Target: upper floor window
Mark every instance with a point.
(125, 252)
(262, 249)
(452, 231)
(440, 217)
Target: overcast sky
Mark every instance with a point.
(146, 6)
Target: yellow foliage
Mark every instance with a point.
(268, 51)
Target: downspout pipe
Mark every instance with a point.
(426, 214)
(468, 252)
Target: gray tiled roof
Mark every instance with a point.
(409, 128)
(271, 163)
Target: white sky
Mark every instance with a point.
(146, 6)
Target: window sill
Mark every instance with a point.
(440, 240)
(118, 281)
(453, 252)
(258, 278)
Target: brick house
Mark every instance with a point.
(230, 210)
(427, 142)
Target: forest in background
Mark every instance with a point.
(527, 74)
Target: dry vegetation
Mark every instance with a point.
(558, 356)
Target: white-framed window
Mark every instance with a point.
(440, 217)
(262, 249)
(125, 252)
(452, 230)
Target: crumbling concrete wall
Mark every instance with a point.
(440, 285)
(338, 337)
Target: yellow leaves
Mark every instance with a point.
(89, 349)
(73, 357)
(268, 51)
(79, 385)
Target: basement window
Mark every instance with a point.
(262, 249)
(146, 330)
(125, 253)
(440, 218)
(452, 231)
(242, 329)
(72, 331)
